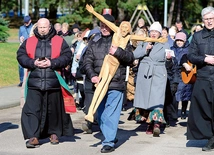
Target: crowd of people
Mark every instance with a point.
(148, 62)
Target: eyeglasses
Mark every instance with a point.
(208, 19)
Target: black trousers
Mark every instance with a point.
(87, 101)
(80, 88)
(168, 102)
(43, 114)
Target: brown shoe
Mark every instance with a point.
(32, 143)
(54, 139)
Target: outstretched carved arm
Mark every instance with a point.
(148, 39)
(111, 25)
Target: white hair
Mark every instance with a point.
(207, 10)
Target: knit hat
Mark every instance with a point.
(27, 19)
(172, 32)
(109, 17)
(75, 26)
(181, 36)
(156, 26)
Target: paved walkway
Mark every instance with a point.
(132, 137)
(9, 96)
(13, 41)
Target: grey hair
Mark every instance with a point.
(207, 10)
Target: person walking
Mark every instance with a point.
(110, 108)
(24, 32)
(152, 75)
(58, 28)
(184, 91)
(89, 87)
(165, 34)
(200, 124)
(170, 81)
(195, 28)
(79, 89)
(140, 24)
(68, 37)
(43, 114)
(180, 28)
(122, 36)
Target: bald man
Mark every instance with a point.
(43, 114)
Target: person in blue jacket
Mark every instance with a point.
(24, 32)
(184, 91)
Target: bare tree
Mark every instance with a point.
(121, 14)
(36, 9)
(31, 7)
(170, 15)
(20, 7)
(179, 10)
(15, 8)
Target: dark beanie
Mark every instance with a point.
(109, 17)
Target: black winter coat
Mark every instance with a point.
(94, 57)
(202, 44)
(44, 78)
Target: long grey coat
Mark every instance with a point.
(151, 77)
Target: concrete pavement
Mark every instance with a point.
(132, 136)
(9, 96)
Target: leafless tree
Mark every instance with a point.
(170, 15)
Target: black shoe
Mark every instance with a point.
(86, 126)
(123, 109)
(167, 125)
(115, 141)
(209, 146)
(20, 84)
(107, 149)
(183, 115)
(78, 106)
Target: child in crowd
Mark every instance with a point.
(184, 91)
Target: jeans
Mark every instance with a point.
(109, 115)
(21, 73)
